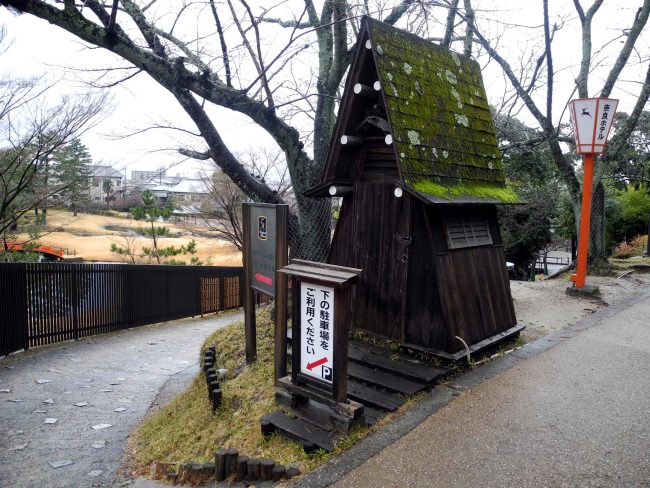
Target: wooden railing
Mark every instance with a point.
(44, 303)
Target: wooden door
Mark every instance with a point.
(381, 249)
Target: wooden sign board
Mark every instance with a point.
(265, 251)
(320, 322)
(592, 119)
(317, 331)
(262, 229)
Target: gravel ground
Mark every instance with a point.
(544, 307)
(66, 411)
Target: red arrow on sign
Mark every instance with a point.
(263, 279)
(311, 366)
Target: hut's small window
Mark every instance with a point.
(467, 232)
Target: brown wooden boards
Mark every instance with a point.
(425, 373)
(299, 431)
(384, 380)
(265, 251)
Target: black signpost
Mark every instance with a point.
(265, 251)
(321, 312)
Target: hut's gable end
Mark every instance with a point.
(361, 117)
(442, 128)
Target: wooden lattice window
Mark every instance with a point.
(467, 232)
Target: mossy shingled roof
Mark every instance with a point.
(442, 128)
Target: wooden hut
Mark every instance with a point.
(415, 158)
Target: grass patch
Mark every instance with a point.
(185, 429)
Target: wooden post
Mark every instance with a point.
(281, 260)
(221, 306)
(253, 470)
(231, 461)
(585, 217)
(220, 464)
(242, 468)
(340, 359)
(75, 304)
(250, 328)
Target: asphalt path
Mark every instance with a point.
(576, 414)
(66, 411)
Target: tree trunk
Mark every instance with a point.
(597, 248)
(155, 242)
(313, 237)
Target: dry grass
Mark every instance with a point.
(86, 236)
(186, 430)
(632, 249)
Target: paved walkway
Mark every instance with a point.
(73, 405)
(576, 414)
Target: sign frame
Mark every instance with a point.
(591, 135)
(340, 279)
(279, 258)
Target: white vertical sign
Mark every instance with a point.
(592, 119)
(317, 331)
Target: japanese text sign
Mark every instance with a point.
(262, 248)
(317, 331)
(592, 119)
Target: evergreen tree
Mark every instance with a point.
(72, 171)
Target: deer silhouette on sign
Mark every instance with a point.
(584, 112)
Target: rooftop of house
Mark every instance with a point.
(436, 106)
(186, 185)
(104, 171)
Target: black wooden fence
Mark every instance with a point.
(44, 303)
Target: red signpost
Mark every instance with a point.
(592, 120)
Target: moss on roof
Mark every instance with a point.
(442, 128)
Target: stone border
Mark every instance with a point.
(441, 396)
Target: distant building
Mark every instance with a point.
(186, 193)
(97, 176)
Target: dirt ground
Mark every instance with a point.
(86, 236)
(544, 306)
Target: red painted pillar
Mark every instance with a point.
(585, 219)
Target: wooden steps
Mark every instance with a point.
(374, 397)
(310, 436)
(419, 372)
(381, 380)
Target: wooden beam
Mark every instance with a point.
(366, 91)
(250, 327)
(351, 141)
(281, 260)
(339, 191)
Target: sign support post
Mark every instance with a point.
(592, 119)
(250, 327)
(265, 251)
(282, 259)
(585, 221)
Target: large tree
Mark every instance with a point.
(532, 73)
(243, 78)
(34, 126)
(248, 59)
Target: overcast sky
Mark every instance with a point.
(38, 48)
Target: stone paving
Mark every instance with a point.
(66, 411)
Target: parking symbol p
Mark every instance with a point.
(326, 373)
